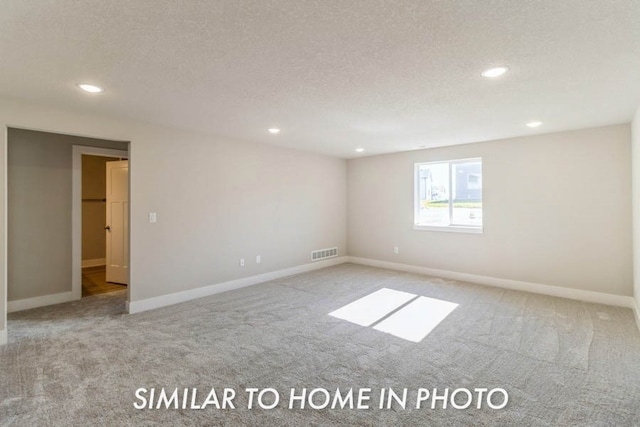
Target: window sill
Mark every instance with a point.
(449, 228)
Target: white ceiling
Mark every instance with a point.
(332, 74)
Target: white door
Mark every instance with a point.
(117, 227)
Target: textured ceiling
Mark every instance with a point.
(333, 75)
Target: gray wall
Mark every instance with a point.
(39, 211)
(556, 208)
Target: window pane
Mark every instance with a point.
(434, 194)
(467, 195)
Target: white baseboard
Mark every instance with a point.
(26, 304)
(536, 288)
(636, 311)
(3, 337)
(182, 296)
(98, 262)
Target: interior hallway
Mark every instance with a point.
(94, 282)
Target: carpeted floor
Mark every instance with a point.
(562, 362)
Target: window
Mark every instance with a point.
(448, 196)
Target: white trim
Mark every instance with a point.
(76, 209)
(636, 311)
(97, 262)
(26, 304)
(536, 288)
(4, 144)
(178, 297)
(449, 228)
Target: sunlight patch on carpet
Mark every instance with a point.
(373, 307)
(417, 319)
(398, 313)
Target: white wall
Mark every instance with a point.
(216, 201)
(557, 211)
(635, 150)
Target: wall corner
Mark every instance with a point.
(635, 199)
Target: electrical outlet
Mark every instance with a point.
(153, 217)
(258, 259)
(241, 262)
(396, 250)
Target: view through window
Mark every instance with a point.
(449, 194)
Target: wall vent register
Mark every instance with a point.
(324, 254)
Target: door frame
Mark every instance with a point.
(76, 210)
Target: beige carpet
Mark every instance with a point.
(562, 362)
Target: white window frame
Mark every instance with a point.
(454, 228)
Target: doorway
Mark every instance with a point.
(42, 219)
(105, 200)
(100, 221)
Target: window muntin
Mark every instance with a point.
(449, 195)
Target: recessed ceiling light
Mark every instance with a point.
(90, 88)
(494, 72)
(274, 131)
(534, 124)
(359, 150)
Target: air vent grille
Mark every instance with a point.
(324, 254)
